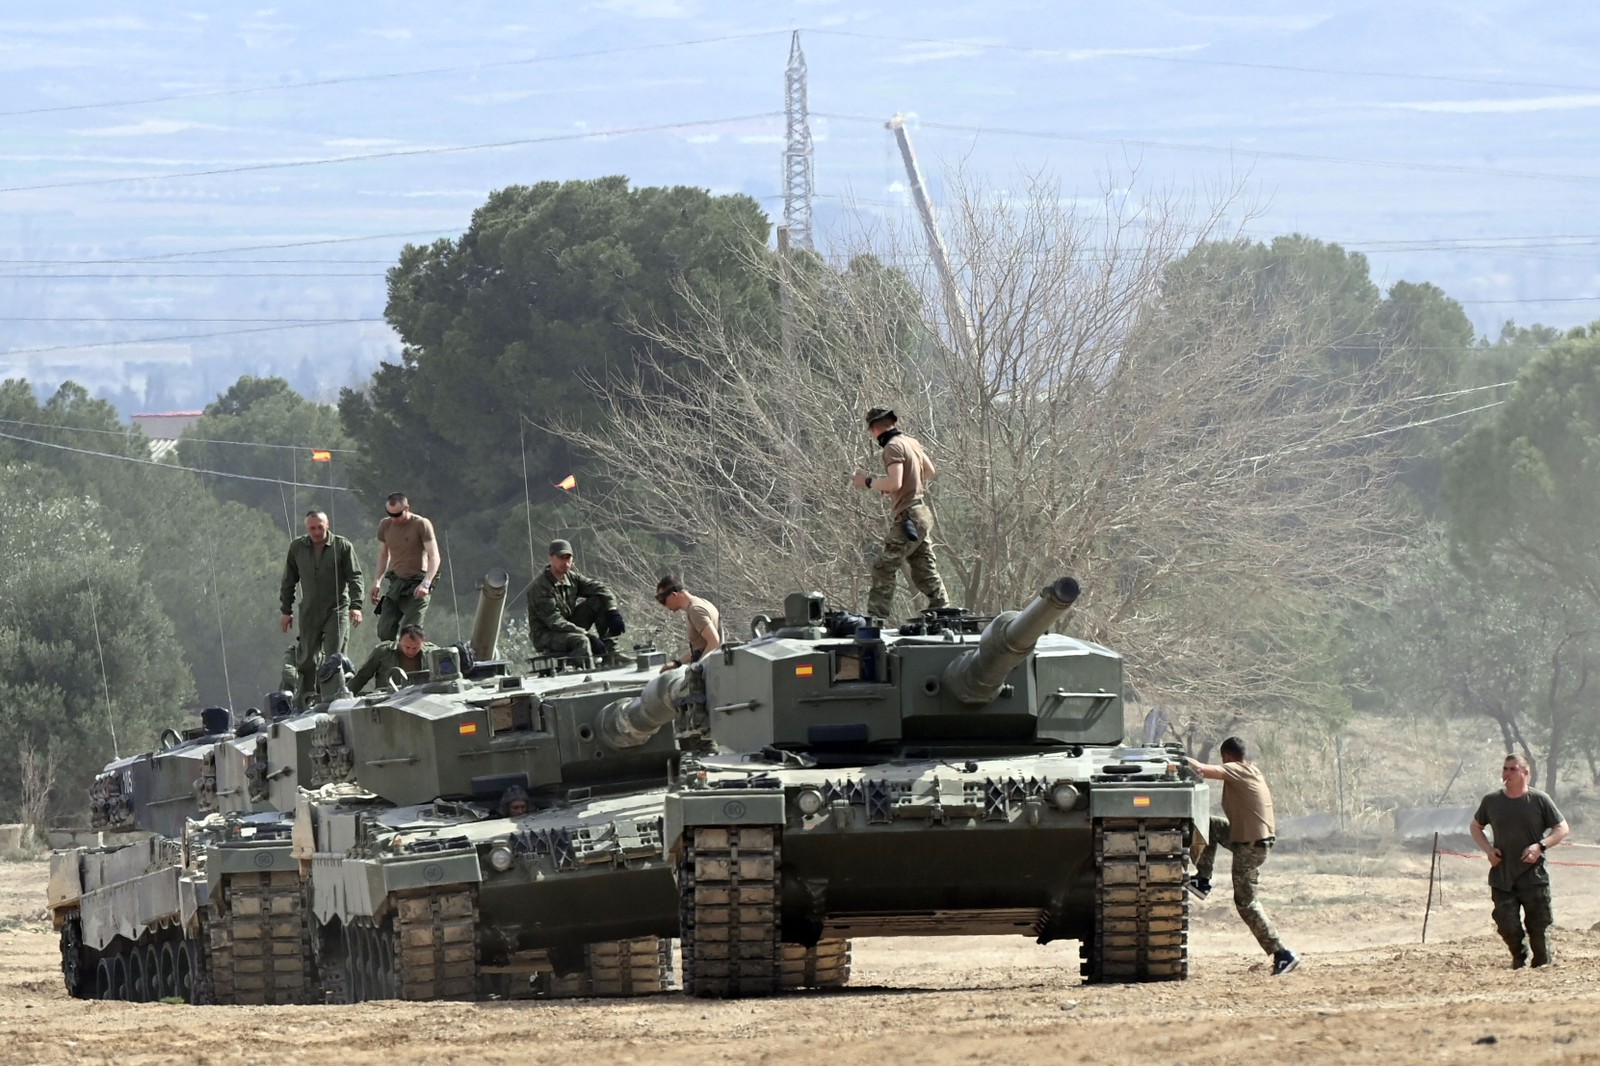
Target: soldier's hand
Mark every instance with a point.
(355, 616)
(284, 622)
(377, 593)
(1495, 857)
(421, 593)
(858, 479)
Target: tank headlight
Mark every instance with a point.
(1065, 796)
(809, 800)
(500, 857)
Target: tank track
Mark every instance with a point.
(729, 911)
(261, 944)
(436, 945)
(638, 967)
(826, 965)
(1141, 923)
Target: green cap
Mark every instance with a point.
(560, 547)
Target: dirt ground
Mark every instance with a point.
(1368, 991)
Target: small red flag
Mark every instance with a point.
(569, 482)
(321, 455)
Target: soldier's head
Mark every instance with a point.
(317, 527)
(1233, 750)
(514, 801)
(880, 420)
(1515, 773)
(560, 557)
(671, 594)
(411, 640)
(398, 507)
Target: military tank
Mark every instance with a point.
(959, 775)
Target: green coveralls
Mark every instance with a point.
(329, 582)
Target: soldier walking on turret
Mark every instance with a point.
(409, 560)
(322, 565)
(907, 471)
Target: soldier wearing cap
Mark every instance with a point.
(563, 606)
(907, 471)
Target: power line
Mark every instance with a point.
(353, 79)
(196, 440)
(87, 321)
(80, 275)
(1149, 57)
(175, 466)
(183, 337)
(396, 153)
(1261, 153)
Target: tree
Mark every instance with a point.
(504, 326)
(1116, 416)
(262, 429)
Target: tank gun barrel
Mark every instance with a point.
(627, 723)
(491, 608)
(976, 676)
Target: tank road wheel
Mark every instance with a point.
(825, 965)
(186, 970)
(103, 975)
(261, 944)
(78, 967)
(729, 911)
(152, 971)
(433, 952)
(167, 968)
(138, 983)
(1141, 923)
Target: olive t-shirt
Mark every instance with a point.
(918, 469)
(701, 616)
(1515, 824)
(405, 543)
(1247, 802)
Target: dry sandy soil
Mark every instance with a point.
(1368, 991)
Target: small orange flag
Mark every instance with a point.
(321, 455)
(569, 482)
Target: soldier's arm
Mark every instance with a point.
(286, 588)
(431, 559)
(542, 607)
(889, 481)
(1557, 835)
(1483, 843)
(382, 567)
(593, 588)
(1215, 773)
(712, 638)
(368, 671)
(352, 583)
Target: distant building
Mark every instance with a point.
(164, 429)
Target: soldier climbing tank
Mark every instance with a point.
(957, 776)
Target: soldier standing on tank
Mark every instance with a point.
(907, 471)
(563, 605)
(1248, 829)
(1526, 826)
(323, 567)
(705, 621)
(409, 561)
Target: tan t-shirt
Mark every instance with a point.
(701, 616)
(1247, 803)
(405, 543)
(918, 469)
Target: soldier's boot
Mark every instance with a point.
(1539, 939)
(1519, 951)
(609, 656)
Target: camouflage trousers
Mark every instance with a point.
(901, 551)
(1248, 859)
(400, 606)
(1528, 899)
(586, 614)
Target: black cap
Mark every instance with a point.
(879, 414)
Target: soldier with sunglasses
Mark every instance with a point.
(408, 561)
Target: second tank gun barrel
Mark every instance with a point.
(976, 676)
(491, 607)
(627, 723)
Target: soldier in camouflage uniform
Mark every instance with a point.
(407, 654)
(1247, 830)
(563, 605)
(907, 470)
(322, 567)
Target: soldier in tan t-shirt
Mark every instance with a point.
(1248, 829)
(907, 471)
(705, 622)
(409, 560)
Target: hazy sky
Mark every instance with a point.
(157, 161)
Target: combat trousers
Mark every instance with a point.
(323, 632)
(900, 551)
(1528, 899)
(400, 606)
(586, 615)
(1248, 859)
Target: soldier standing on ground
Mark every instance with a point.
(1526, 825)
(1248, 830)
(323, 567)
(907, 471)
(563, 605)
(408, 653)
(705, 621)
(409, 561)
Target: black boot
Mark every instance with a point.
(1539, 938)
(1519, 952)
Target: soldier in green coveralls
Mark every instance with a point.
(323, 566)
(408, 654)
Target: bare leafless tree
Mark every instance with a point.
(1187, 451)
(37, 775)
